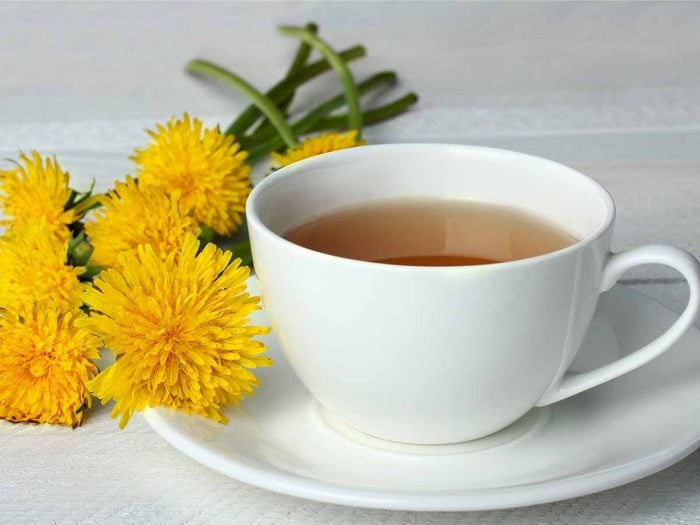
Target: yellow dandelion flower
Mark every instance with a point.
(180, 330)
(313, 146)
(34, 268)
(37, 188)
(134, 214)
(204, 165)
(45, 363)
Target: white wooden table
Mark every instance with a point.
(611, 89)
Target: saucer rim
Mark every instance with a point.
(520, 495)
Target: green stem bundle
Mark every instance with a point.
(268, 112)
(340, 67)
(287, 86)
(322, 110)
(263, 103)
(372, 116)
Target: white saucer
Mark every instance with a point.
(616, 433)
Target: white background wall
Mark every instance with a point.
(550, 77)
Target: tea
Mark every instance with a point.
(430, 232)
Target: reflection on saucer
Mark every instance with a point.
(529, 423)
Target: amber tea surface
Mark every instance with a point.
(430, 232)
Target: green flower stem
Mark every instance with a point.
(341, 68)
(322, 110)
(302, 54)
(272, 142)
(299, 61)
(373, 116)
(286, 86)
(264, 104)
(370, 117)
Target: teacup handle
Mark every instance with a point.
(618, 264)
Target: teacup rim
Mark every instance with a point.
(287, 171)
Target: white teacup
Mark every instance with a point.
(435, 355)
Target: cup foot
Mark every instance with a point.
(530, 422)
